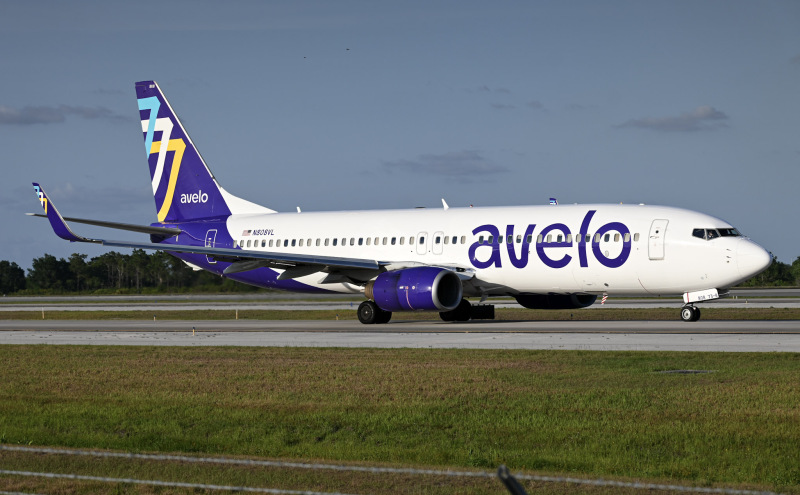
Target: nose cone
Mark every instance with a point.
(751, 258)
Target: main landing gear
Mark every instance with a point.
(690, 313)
(369, 313)
(466, 311)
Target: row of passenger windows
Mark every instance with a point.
(437, 239)
(361, 241)
(558, 238)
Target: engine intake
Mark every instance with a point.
(555, 301)
(416, 289)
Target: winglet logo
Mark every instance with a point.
(163, 125)
(42, 197)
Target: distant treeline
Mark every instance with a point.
(139, 272)
(112, 273)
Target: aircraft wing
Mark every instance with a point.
(294, 265)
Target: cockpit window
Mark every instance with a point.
(709, 234)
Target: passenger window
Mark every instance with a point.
(248, 243)
(596, 238)
(510, 239)
(335, 240)
(549, 237)
(326, 241)
(270, 243)
(529, 239)
(446, 240)
(627, 237)
(411, 240)
(377, 240)
(539, 239)
(463, 239)
(455, 240)
(569, 238)
(422, 239)
(606, 237)
(559, 238)
(519, 239)
(317, 243)
(301, 242)
(384, 241)
(344, 241)
(360, 241)
(437, 240)
(588, 237)
(480, 240)
(616, 237)
(369, 240)
(491, 239)
(402, 240)
(294, 242)
(285, 242)
(394, 241)
(636, 237)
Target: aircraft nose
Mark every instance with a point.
(751, 258)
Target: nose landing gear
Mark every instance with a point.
(690, 313)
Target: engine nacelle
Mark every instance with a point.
(555, 301)
(425, 288)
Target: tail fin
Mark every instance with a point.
(183, 186)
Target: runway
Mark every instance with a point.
(715, 336)
(281, 301)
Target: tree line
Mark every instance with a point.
(112, 273)
(140, 272)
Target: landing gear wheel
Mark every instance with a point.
(383, 316)
(368, 312)
(462, 312)
(690, 313)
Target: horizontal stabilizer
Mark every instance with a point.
(144, 229)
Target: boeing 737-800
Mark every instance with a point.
(550, 256)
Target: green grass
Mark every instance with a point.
(508, 314)
(606, 414)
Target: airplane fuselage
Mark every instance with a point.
(593, 249)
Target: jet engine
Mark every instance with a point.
(425, 288)
(555, 301)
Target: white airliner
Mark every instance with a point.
(553, 256)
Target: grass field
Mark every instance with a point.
(516, 314)
(603, 414)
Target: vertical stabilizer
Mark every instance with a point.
(183, 186)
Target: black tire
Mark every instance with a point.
(696, 314)
(368, 312)
(383, 316)
(463, 311)
(688, 313)
(447, 316)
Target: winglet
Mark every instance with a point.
(60, 227)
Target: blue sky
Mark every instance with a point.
(362, 105)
